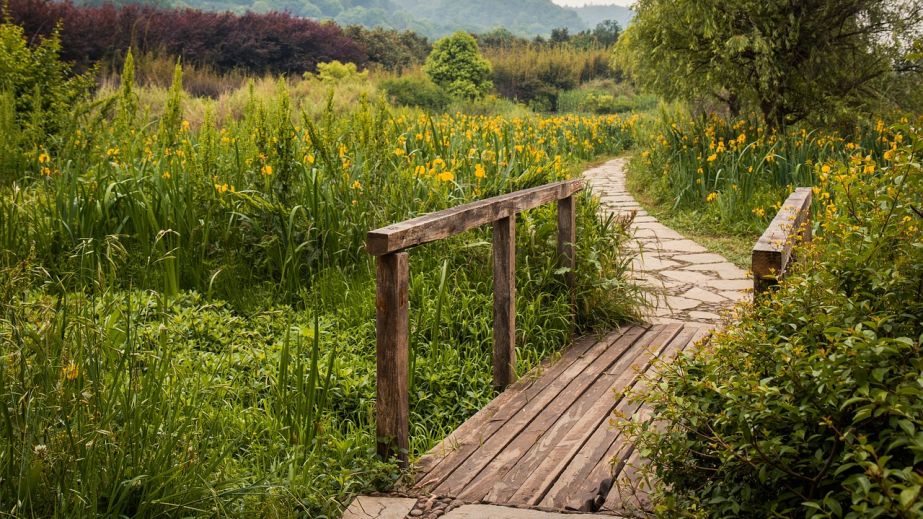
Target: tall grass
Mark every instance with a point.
(735, 172)
(186, 306)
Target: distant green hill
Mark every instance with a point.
(592, 15)
(430, 17)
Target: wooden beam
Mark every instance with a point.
(567, 238)
(393, 356)
(773, 252)
(504, 247)
(449, 222)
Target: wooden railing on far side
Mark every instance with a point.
(772, 254)
(390, 243)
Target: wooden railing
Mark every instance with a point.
(392, 306)
(772, 254)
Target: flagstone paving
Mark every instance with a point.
(690, 284)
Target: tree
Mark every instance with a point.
(786, 60)
(457, 65)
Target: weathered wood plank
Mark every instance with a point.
(504, 248)
(579, 484)
(498, 432)
(567, 469)
(442, 224)
(567, 238)
(393, 354)
(563, 435)
(631, 486)
(474, 429)
(772, 252)
(481, 471)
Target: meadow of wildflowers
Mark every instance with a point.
(187, 309)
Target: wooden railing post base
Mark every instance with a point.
(504, 245)
(393, 357)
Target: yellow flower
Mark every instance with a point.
(759, 212)
(479, 171)
(185, 125)
(711, 197)
(43, 158)
(357, 185)
(446, 176)
(420, 170)
(309, 158)
(71, 371)
(399, 152)
(221, 188)
(825, 169)
(266, 170)
(713, 157)
(166, 175)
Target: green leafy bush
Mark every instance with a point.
(457, 65)
(37, 95)
(335, 72)
(416, 90)
(812, 404)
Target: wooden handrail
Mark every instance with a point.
(392, 333)
(773, 251)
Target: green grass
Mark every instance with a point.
(187, 310)
(694, 224)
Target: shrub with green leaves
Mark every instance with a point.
(416, 91)
(811, 405)
(457, 65)
(37, 94)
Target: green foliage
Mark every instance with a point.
(734, 173)
(788, 61)
(392, 50)
(335, 72)
(416, 91)
(37, 96)
(456, 64)
(433, 18)
(186, 304)
(604, 97)
(811, 404)
(537, 74)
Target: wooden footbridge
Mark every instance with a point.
(546, 441)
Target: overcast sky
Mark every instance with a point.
(578, 3)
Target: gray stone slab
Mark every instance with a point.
(687, 276)
(679, 246)
(704, 295)
(370, 507)
(502, 512)
(704, 316)
(731, 284)
(702, 258)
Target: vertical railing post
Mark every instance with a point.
(504, 248)
(567, 238)
(393, 356)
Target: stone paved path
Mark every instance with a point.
(690, 283)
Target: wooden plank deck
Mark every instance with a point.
(547, 442)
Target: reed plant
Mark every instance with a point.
(186, 306)
(737, 173)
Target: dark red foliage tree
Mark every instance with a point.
(273, 42)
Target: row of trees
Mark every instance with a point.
(275, 42)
